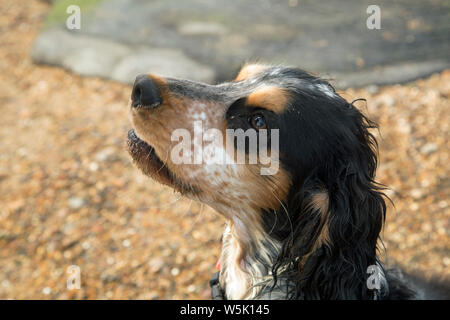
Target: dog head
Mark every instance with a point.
(317, 191)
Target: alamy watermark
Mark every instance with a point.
(375, 277)
(374, 20)
(74, 278)
(209, 147)
(73, 22)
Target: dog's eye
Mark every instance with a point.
(258, 122)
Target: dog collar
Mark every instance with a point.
(217, 293)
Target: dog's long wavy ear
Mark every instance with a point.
(354, 217)
(342, 213)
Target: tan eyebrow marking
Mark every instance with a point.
(250, 70)
(271, 98)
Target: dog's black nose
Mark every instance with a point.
(145, 93)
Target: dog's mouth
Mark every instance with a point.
(146, 159)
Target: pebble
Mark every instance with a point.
(110, 277)
(372, 89)
(191, 288)
(47, 290)
(443, 204)
(126, 243)
(387, 100)
(85, 245)
(403, 126)
(416, 193)
(175, 272)
(93, 166)
(429, 148)
(446, 261)
(156, 264)
(76, 203)
(105, 154)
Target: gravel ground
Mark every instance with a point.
(70, 195)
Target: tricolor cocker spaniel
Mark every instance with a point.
(305, 229)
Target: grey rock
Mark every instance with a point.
(390, 74)
(193, 28)
(79, 53)
(164, 62)
(91, 56)
(209, 40)
(94, 60)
